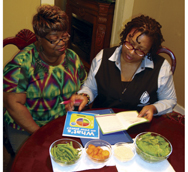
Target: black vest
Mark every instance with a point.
(141, 91)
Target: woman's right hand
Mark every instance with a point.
(70, 106)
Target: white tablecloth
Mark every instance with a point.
(135, 165)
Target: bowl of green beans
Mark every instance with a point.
(66, 152)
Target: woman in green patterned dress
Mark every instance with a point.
(40, 76)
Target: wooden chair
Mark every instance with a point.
(171, 55)
(21, 40)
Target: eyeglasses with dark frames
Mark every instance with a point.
(55, 42)
(129, 46)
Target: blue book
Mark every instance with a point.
(81, 124)
(112, 138)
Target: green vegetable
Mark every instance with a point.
(65, 153)
(153, 145)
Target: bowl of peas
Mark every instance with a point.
(66, 152)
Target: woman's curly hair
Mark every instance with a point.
(146, 26)
(49, 18)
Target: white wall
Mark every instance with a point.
(122, 14)
(16, 19)
(51, 2)
(17, 15)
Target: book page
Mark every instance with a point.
(109, 123)
(130, 118)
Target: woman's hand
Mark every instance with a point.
(70, 106)
(147, 112)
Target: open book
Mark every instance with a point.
(110, 123)
(112, 138)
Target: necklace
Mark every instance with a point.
(129, 80)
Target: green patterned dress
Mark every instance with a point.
(45, 86)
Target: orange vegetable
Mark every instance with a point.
(97, 152)
(91, 146)
(106, 153)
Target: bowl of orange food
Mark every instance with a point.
(98, 151)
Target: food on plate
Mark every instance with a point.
(65, 152)
(153, 145)
(123, 153)
(97, 152)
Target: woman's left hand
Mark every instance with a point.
(147, 112)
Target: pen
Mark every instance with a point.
(69, 101)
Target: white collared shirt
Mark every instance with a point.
(166, 91)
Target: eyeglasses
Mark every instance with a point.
(129, 46)
(55, 42)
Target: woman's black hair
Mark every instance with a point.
(146, 26)
(49, 18)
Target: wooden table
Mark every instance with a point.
(34, 154)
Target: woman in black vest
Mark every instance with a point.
(131, 76)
